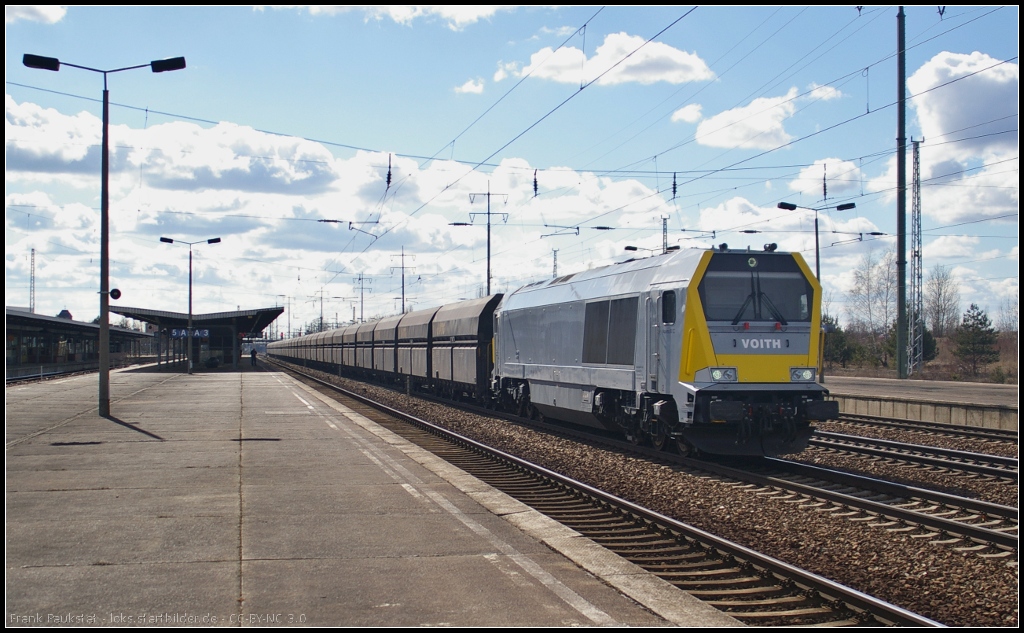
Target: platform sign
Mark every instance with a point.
(183, 333)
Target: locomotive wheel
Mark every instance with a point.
(659, 438)
(683, 448)
(633, 434)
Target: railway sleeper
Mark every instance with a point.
(789, 613)
(740, 591)
(683, 571)
(787, 599)
(665, 559)
(686, 585)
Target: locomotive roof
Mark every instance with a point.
(625, 278)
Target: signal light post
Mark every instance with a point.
(159, 66)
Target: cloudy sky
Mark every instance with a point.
(334, 148)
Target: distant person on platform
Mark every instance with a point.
(253, 355)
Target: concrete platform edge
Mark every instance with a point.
(660, 596)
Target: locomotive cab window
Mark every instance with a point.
(738, 288)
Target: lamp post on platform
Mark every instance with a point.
(793, 207)
(653, 250)
(158, 66)
(167, 240)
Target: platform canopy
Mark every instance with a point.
(249, 323)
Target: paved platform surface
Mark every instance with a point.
(926, 390)
(241, 498)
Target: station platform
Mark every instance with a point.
(241, 498)
(982, 405)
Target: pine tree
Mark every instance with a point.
(975, 341)
(837, 344)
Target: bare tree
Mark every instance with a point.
(942, 302)
(873, 301)
(1008, 324)
(1008, 317)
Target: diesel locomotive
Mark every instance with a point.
(713, 351)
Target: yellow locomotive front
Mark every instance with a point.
(749, 357)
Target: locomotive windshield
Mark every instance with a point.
(755, 287)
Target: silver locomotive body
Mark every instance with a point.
(709, 350)
(642, 348)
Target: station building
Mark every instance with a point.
(39, 345)
(218, 338)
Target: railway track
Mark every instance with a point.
(1004, 468)
(969, 525)
(751, 587)
(932, 428)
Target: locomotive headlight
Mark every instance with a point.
(802, 374)
(723, 374)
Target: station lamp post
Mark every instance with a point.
(158, 66)
(793, 207)
(167, 240)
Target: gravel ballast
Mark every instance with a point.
(933, 580)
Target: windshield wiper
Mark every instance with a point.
(771, 307)
(743, 308)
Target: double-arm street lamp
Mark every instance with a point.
(167, 240)
(158, 66)
(653, 250)
(793, 207)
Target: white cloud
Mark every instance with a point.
(687, 114)
(43, 144)
(38, 138)
(754, 126)
(975, 107)
(951, 246)
(34, 13)
(473, 86)
(648, 63)
(840, 176)
(560, 31)
(457, 17)
(969, 164)
(505, 70)
(824, 93)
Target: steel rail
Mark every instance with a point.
(947, 526)
(922, 426)
(884, 448)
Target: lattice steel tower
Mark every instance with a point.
(915, 322)
(32, 285)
